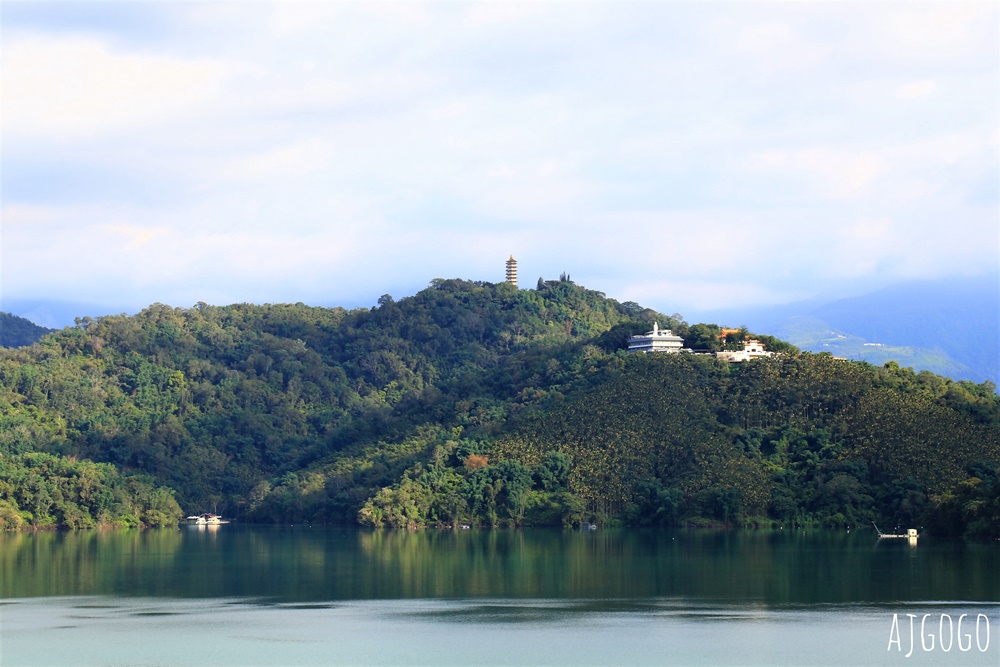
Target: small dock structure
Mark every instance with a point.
(911, 535)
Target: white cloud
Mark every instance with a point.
(295, 160)
(134, 236)
(27, 214)
(303, 149)
(827, 172)
(942, 30)
(123, 254)
(79, 87)
(777, 47)
(869, 230)
(295, 19)
(485, 14)
(916, 89)
(701, 295)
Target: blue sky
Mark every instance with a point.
(688, 156)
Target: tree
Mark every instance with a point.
(553, 472)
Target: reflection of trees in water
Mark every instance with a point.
(83, 562)
(323, 564)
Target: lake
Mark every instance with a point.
(240, 595)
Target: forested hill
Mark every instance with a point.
(484, 404)
(17, 331)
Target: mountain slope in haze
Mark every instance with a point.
(55, 314)
(950, 327)
(17, 331)
(959, 317)
(812, 333)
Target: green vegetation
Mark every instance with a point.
(40, 490)
(481, 404)
(17, 331)
(796, 440)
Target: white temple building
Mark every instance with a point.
(656, 341)
(752, 349)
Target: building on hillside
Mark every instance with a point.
(656, 340)
(512, 271)
(724, 333)
(752, 349)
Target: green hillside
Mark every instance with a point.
(485, 404)
(17, 331)
(40, 490)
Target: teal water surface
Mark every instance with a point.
(315, 596)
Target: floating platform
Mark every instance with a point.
(911, 535)
(912, 532)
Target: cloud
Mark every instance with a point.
(701, 295)
(81, 255)
(295, 160)
(916, 89)
(329, 151)
(27, 214)
(134, 236)
(774, 48)
(940, 31)
(826, 172)
(76, 87)
(483, 14)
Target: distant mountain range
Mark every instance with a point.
(950, 327)
(54, 314)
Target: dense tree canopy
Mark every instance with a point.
(41, 490)
(17, 331)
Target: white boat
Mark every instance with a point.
(206, 519)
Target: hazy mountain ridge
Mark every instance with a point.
(950, 327)
(57, 314)
(19, 331)
(816, 335)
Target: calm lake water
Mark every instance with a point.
(237, 595)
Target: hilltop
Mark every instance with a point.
(481, 403)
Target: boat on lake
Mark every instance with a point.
(910, 536)
(206, 519)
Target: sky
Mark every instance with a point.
(687, 156)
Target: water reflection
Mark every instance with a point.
(323, 564)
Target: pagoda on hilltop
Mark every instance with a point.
(512, 271)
